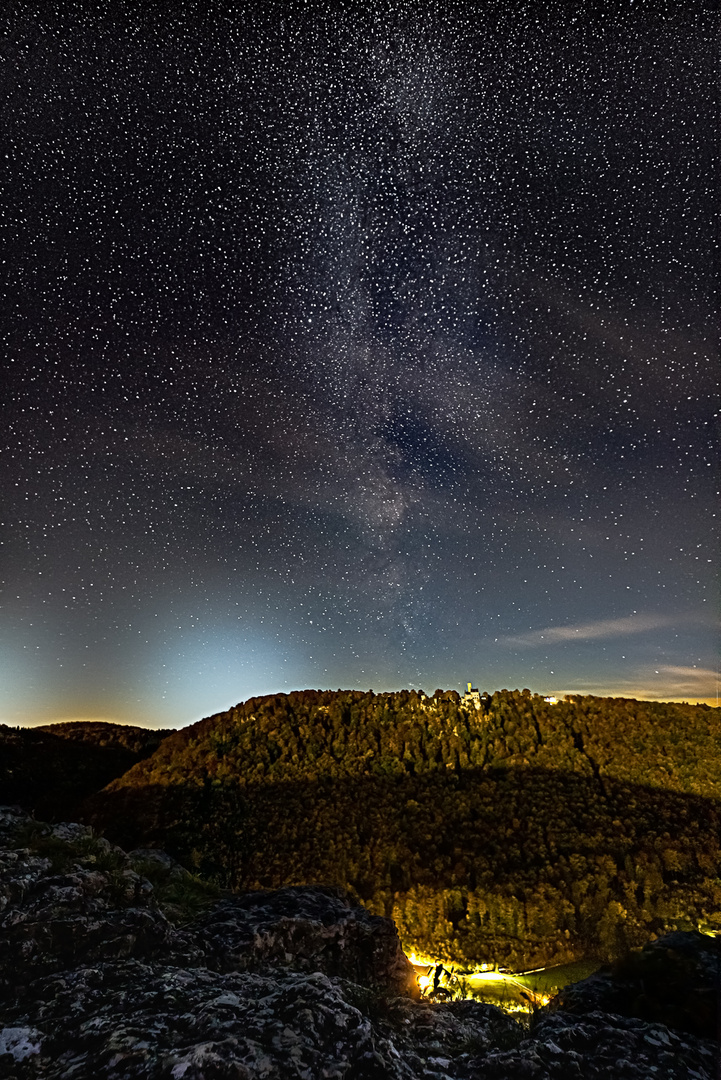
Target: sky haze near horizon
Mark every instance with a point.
(365, 346)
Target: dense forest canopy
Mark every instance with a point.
(523, 832)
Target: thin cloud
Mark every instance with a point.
(667, 682)
(688, 675)
(602, 628)
(670, 681)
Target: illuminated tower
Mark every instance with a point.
(472, 697)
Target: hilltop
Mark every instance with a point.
(520, 832)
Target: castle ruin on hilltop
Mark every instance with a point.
(472, 697)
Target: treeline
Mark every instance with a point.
(140, 741)
(52, 768)
(524, 833)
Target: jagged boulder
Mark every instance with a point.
(601, 1046)
(674, 981)
(70, 898)
(140, 1021)
(312, 928)
(136, 1020)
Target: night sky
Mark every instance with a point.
(368, 345)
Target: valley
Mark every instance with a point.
(524, 834)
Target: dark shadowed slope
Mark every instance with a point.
(51, 769)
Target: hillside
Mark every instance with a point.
(52, 768)
(525, 833)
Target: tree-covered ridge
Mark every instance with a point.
(308, 734)
(101, 733)
(51, 769)
(525, 833)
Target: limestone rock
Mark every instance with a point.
(312, 928)
(674, 981)
(599, 1046)
(300, 983)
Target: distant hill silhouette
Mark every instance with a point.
(52, 768)
(138, 740)
(524, 832)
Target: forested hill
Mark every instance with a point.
(52, 768)
(140, 741)
(314, 733)
(524, 831)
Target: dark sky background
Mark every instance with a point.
(365, 346)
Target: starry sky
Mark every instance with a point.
(356, 345)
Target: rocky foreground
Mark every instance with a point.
(124, 966)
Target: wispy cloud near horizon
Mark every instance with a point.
(602, 628)
(688, 677)
(667, 682)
